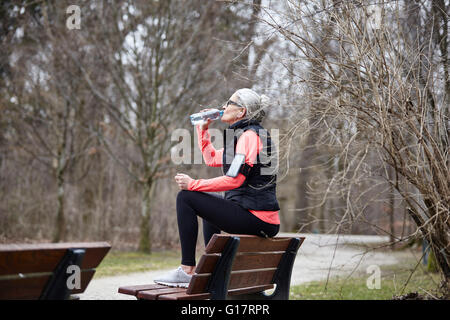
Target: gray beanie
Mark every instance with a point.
(253, 102)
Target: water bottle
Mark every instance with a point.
(201, 117)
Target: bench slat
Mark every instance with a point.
(250, 278)
(31, 287)
(248, 243)
(45, 246)
(184, 296)
(242, 261)
(21, 289)
(256, 261)
(45, 257)
(203, 296)
(236, 292)
(154, 294)
(207, 263)
(238, 279)
(134, 290)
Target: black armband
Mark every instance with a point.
(237, 166)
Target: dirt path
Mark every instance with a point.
(320, 256)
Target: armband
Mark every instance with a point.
(236, 165)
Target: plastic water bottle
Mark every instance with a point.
(201, 117)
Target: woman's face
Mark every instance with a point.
(232, 112)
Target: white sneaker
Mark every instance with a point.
(175, 278)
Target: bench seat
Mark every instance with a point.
(233, 266)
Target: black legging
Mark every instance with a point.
(218, 214)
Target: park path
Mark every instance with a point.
(319, 257)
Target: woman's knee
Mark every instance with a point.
(184, 196)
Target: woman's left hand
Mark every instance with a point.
(183, 180)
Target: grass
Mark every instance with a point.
(121, 262)
(393, 280)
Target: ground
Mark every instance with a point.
(321, 257)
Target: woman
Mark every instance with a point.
(249, 206)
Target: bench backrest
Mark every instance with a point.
(26, 269)
(255, 264)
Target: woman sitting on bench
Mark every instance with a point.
(250, 205)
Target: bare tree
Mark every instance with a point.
(386, 83)
(113, 89)
(46, 104)
(159, 63)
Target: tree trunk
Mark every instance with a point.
(302, 220)
(391, 174)
(438, 239)
(443, 265)
(321, 216)
(145, 243)
(60, 232)
(304, 217)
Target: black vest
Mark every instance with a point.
(258, 192)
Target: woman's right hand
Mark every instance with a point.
(208, 121)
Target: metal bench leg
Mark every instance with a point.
(56, 287)
(218, 283)
(282, 277)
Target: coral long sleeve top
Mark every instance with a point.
(248, 144)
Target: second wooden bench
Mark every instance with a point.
(233, 267)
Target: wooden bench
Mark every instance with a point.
(45, 271)
(233, 267)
